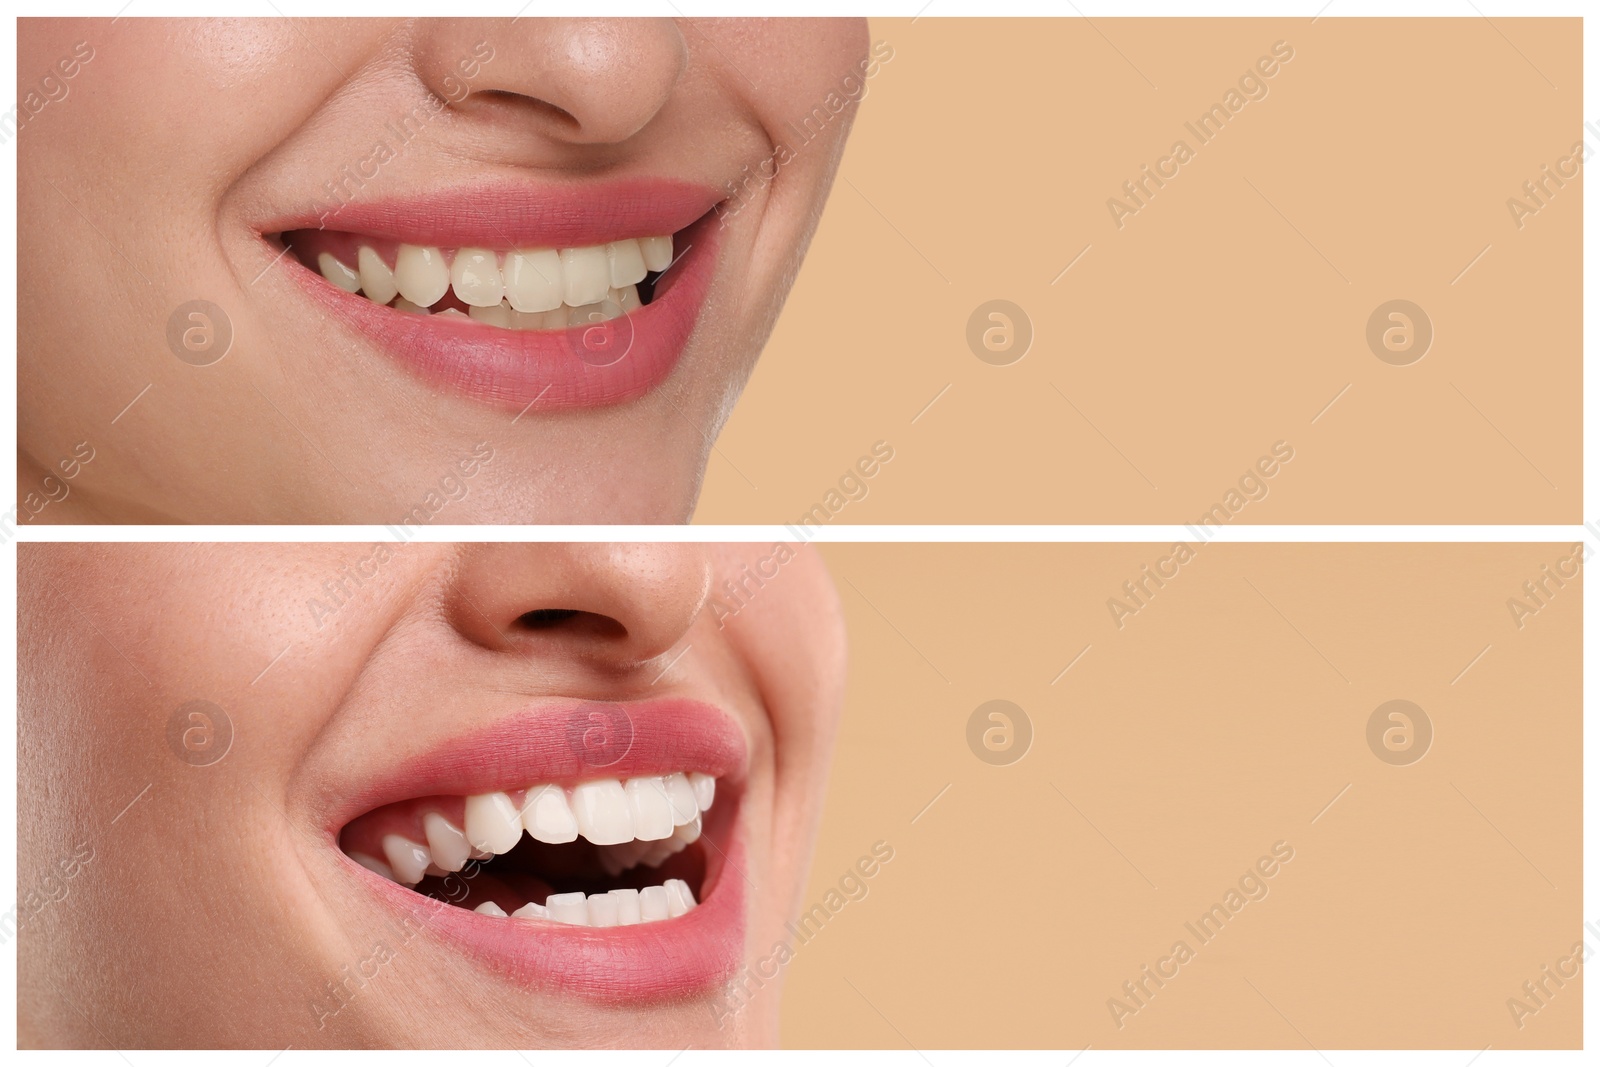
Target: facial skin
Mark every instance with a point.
(215, 910)
(149, 183)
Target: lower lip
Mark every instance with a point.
(619, 965)
(588, 366)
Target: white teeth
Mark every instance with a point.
(446, 841)
(625, 262)
(705, 789)
(533, 279)
(547, 815)
(576, 282)
(376, 866)
(620, 907)
(602, 811)
(493, 822)
(338, 273)
(657, 252)
(475, 276)
(652, 811)
(679, 897)
(570, 908)
(585, 275)
(627, 906)
(602, 910)
(408, 859)
(377, 280)
(421, 275)
(654, 904)
(681, 796)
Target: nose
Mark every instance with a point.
(613, 606)
(578, 81)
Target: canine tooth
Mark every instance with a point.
(338, 273)
(547, 815)
(570, 908)
(489, 907)
(533, 279)
(601, 808)
(688, 833)
(653, 903)
(705, 789)
(408, 858)
(585, 275)
(402, 304)
(377, 280)
(626, 263)
(420, 274)
(499, 315)
(446, 841)
(376, 866)
(627, 298)
(627, 906)
(681, 795)
(657, 252)
(602, 910)
(493, 822)
(680, 898)
(530, 910)
(652, 811)
(475, 276)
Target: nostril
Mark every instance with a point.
(545, 618)
(568, 620)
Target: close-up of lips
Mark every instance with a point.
(356, 251)
(543, 782)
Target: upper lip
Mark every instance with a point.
(561, 742)
(514, 214)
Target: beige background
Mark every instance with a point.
(1222, 318)
(1225, 716)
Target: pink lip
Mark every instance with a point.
(558, 743)
(515, 369)
(517, 215)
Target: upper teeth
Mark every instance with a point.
(527, 282)
(642, 820)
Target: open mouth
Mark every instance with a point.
(603, 852)
(591, 847)
(561, 296)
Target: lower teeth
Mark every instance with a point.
(619, 907)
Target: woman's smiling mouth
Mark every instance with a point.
(612, 870)
(566, 296)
